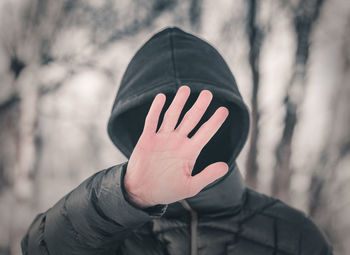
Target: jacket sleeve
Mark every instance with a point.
(93, 218)
(313, 241)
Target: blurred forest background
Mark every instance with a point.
(61, 62)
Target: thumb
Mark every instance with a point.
(208, 175)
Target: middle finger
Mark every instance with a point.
(193, 115)
(172, 114)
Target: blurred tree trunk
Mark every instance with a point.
(306, 14)
(256, 37)
(9, 135)
(326, 172)
(27, 46)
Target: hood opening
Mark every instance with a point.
(126, 127)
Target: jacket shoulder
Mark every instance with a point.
(256, 202)
(292, 229)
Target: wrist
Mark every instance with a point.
(136, 200)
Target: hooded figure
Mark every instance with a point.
(225, 217)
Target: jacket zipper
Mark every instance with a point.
(194, 224)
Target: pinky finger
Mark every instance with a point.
(152, 117)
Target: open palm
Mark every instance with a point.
(160, 166)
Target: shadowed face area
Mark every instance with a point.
(219, 148)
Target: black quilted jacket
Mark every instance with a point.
(224, 218)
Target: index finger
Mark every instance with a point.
(152, 118)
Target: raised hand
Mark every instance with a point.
(160, 166)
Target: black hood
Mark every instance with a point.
(169, 59)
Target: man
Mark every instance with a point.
(180, 192)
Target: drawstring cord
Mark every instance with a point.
(194, 224)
